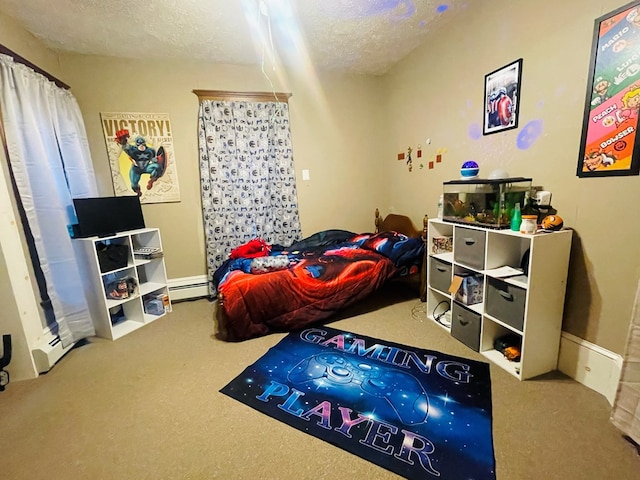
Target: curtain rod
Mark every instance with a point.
(37, 69)
(242, 96)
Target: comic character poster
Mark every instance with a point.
(501, 98)
(141, 157)
(608, 145)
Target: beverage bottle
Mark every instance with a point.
(516, 218)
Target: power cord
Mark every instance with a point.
(419, 311)
(441, 317)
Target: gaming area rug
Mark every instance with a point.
(418, 413)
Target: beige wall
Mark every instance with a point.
(348, 130)
(437, 92)
(26, 45)
(334, 122)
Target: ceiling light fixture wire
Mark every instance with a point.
(263, 11)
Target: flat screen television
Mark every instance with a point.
(104, 216)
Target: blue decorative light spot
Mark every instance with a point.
(474, 131)
(442, 8)
(529, 134)
(397, 9)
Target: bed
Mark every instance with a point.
(271, 288)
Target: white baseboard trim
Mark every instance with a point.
(188, 287)
(591, 365)
(47, 353)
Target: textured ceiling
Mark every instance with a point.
(361, 36)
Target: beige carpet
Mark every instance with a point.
(147, 407)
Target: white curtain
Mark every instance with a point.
(247, 176)
(51, 164)
(626, 408)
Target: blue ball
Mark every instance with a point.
(470, 169)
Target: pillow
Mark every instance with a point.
(269, 264)
(320, 240)
(403, 250)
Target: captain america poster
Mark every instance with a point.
(141, 156)
(501, 97)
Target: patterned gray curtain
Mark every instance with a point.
(247, 177)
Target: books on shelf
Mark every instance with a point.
(147, 252)
(504, 271)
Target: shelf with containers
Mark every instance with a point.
(514, 287)
(125, 280)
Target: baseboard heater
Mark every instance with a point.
(188, 287)
(46, 355)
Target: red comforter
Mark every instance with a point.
(311, 285)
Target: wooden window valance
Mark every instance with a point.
(34, 67)
(242, 96)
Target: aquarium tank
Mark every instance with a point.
(484, 202)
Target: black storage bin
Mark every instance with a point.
(468, 247)
(439, 274)
(465, 326)
(112, 256)
(506, 302)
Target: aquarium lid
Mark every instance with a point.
(491, 181)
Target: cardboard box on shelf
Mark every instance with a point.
(467, 289)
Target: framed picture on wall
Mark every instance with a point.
(141, 155)
(501, 98)
(609, 144)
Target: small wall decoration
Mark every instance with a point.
(501, 98)
(141, 157)
(609, 145)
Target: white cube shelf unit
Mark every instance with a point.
(136, 265)
(527, 306)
